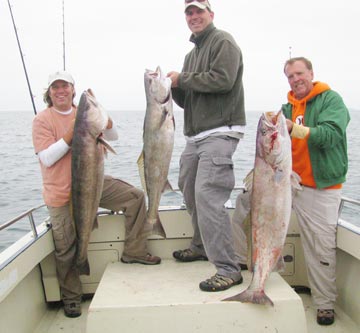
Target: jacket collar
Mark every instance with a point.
(199, 39)
(318, 88)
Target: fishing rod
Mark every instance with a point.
(63, 17)
(22, 58)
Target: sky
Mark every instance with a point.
(110, 43)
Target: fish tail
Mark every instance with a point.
(141, 168)
(84, 267)
(158, 228)
(167, 187)
(251, 296)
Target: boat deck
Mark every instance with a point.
(138, 298)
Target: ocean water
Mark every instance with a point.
(20, 179)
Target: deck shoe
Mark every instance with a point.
(147, 259)
(188, 255)
(325, 317)
(72, 310)
(218, 283)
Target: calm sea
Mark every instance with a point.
(20, 179)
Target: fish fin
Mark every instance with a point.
(141, 168)
(278, 175)
(157, 227)
(167, 187)
(280, 265)
(95, 224)
(247, 230)
(163, 116)
(295, 181)
(251, 296)
(248, 180)
(106, 144)
(84, 268)
(89, 90)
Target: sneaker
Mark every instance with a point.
(72, 310)
(148, 259)
(325, 317)
(218, 283)
(188, 255)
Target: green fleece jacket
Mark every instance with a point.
(327, 117)
(210, 85)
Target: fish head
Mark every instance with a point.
(157, 86)
(91, 114)
(273, 141)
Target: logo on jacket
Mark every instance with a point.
(299, 120)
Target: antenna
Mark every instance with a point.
(63, 17)
(290, 52)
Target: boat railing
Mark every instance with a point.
(6, 258)
(348, 208)
(29, 214)
(349, 211)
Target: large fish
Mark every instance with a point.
(87, 172)
(158, 137)
(270, 203)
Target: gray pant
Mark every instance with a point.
(117, 196)
(206, 180)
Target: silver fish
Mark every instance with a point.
(270, 203)
(158, 138)
(87, 172)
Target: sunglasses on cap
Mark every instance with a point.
(190, 1)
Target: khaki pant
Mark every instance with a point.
(117, 196)
(317, 214)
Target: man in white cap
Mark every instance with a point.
(52, 136)
(210, 90)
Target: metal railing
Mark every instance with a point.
(345, 202)
(18, 249)
(29, 214)
(351, 201)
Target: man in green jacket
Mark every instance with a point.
(210, 90)
(317, 119)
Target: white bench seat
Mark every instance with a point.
(166, 298)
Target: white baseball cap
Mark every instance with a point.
(60, 75)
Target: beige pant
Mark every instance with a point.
(317, 214)
(117, 196)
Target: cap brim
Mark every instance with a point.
(196, 4)
(60, 78)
